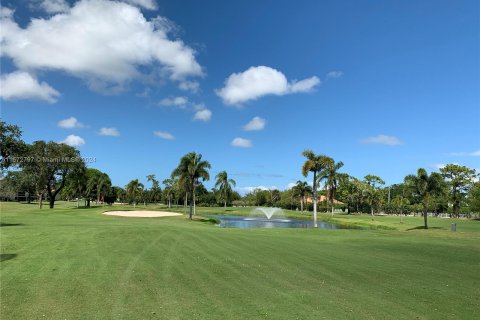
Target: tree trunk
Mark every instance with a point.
(301, 204)
(40, 202)
(315, 199)
(225, 204)
(194, 207)
(425, 215)
(191, 210)
(371, 210)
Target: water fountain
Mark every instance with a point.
(268, 212)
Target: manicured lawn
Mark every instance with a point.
(70, 263)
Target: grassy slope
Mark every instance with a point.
(78, 264)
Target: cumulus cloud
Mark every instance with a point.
(103, 42)
(470, 154)
(54, 6)
(74, 141)
(259, 81)
(255, 124)
(203, 115)
(70, 123)
(22, 85)
(242, 143)
(382, 139)
(179, 102)
(334, 74)
(146, 4)
(164, 135)
(191, 86)
(111, 132)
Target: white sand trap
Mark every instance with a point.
(142, 214)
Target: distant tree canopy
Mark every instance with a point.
(51, 170)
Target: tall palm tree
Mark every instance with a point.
(169, 190)
(133, 189)
(372, 191)
(333, 177)
(155, 191)
(300, 191)
(189, 171)
(317, 165)
(224, 185)
(424, 187)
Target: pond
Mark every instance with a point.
(257, 222)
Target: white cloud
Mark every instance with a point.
(305, 85)
(259, 81)
(245, 190)
(256, 123)
(164, 135)
(103, 42)
(203, 115)
(74, 141)
(382, 139)
(242, 143)
(191, 86)
(22, 85)
(291, 185)
(180, 102)
(54, 6)
(70, 123)
(334, 74)
(471, 154)
(146, 4)
(111, 132)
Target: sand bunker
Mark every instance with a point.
(142, 214)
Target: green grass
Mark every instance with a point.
(70, 263)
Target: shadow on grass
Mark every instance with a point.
(206, 220)
(7, 256)
(5, 224)
(423, 228)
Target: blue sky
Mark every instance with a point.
(384, 86)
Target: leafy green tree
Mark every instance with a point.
(76, 185)
(317, 164)
(474, 197)
(224, 185)
(333, 178)
(134, 190)
(300, 191)
(155, 191)
(52, 163)
(189, 171)
(169, 191)
(11, 145)
(459, 180)
(350, 191)
(424, 187)
(98, 185)
(372, 192)
(400, 204)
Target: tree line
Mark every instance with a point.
(52, 171)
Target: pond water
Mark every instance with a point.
(256, 222)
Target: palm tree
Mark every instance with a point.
(424, 187)
(169, 190)
(133, 189)
(224, 185)
(333, 177)
(189, 171)
(372, 191)
(300, 191)
(155, 191)
(316, 164)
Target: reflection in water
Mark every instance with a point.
(251, 222)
